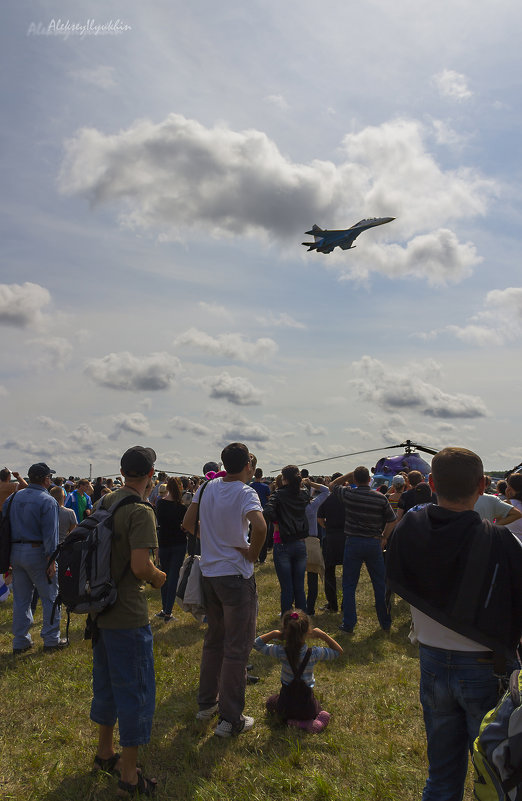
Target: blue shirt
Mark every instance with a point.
(71, 502)
(263, 491)
(34, 517)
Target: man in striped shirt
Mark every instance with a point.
(368, 522)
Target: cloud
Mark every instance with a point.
(499, 323)
(123, 371)
(214, 309)
(438, 257)
(406, 389)
(282, 320)
(453, 85)
(21, 304)
(278, 100)
(134, 423)
(231, 346)
(102, 76)
(85, 438)
(50, 424)
(3, 391)
(57, 351)
(234, 389)
(241, 430)
(178, 175)
(183, 424)
(313, 431)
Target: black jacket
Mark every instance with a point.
(289, 510)
(463, 572)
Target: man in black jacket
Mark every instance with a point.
(462, 577)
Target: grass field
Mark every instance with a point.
(373, 749)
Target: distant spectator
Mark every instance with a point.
(79, 500)
(7, 487)
(491, 508)
(66, 517)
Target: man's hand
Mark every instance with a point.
(158, 580)
(51, 570)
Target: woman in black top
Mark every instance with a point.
(172, 541)
(287, 508)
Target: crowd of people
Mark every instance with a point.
(444, 543)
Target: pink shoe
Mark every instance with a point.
(306, 725)
(321, 722)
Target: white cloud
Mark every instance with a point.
(178, 174)
(134, 423)
(84, 437)
(438, 257)
(278, 100)
(102, 76)
(313, 431)
(282, 320)
(405, 388)
(57, 351)
(453, 85)
(183, 424)
(50, 424)
(231, 346)
(21, 304)
(214, 309)
(234, 389)
(241, 430)
(3, 391)
(500, 322)
(124, 371)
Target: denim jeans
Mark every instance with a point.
(29, 571)
(123, 683)
(171, 558)
(457, 688)
(367, 550)
(231, 604)
(290, 563)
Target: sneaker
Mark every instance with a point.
(226, 729)
(209, 712)
(346, 629)
(58, 646)
(160, 614)
(252, 679)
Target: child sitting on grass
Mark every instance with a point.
(296, 704)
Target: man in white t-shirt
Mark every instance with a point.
(228, 505)
(492, 508)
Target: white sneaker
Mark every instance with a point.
(226, 729)
(206, 714)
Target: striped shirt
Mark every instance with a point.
(278, 652)
(366, 511)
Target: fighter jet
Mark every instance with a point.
(326, 241)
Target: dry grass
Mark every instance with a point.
(373, 749)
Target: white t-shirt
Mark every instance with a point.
(516, 526)
(428, 632)
(492, 508)
(224, 527)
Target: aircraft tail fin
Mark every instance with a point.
(316, 232)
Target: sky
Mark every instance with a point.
(160, 164)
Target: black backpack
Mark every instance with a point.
(5, 538)
(85, 583)
(296, 700)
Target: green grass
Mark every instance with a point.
(373, 749)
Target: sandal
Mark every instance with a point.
(107, 765)
(144, 786)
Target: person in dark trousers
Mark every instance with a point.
(331, 517)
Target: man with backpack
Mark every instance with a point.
(462, 577)
(123, 666)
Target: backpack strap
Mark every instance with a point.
(301, 669)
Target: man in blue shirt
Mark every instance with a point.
(33, 514)
(79, 500)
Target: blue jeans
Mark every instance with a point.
(367, 550)
(457, 688)
(171, 558)
(29, 571)
(290, 560)
(123, 683)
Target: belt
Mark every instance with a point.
(32, 543)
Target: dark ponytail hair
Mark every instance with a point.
(515, 482)
(292, 475)
(295, 629)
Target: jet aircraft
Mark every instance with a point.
(326, 241)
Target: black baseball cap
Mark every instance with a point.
(40, 470)
(137, 461)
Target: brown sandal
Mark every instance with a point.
(143, 786)
(107, 765)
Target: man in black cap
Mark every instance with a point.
(33, 514)
(123, 663)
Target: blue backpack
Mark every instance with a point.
(497, 751)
